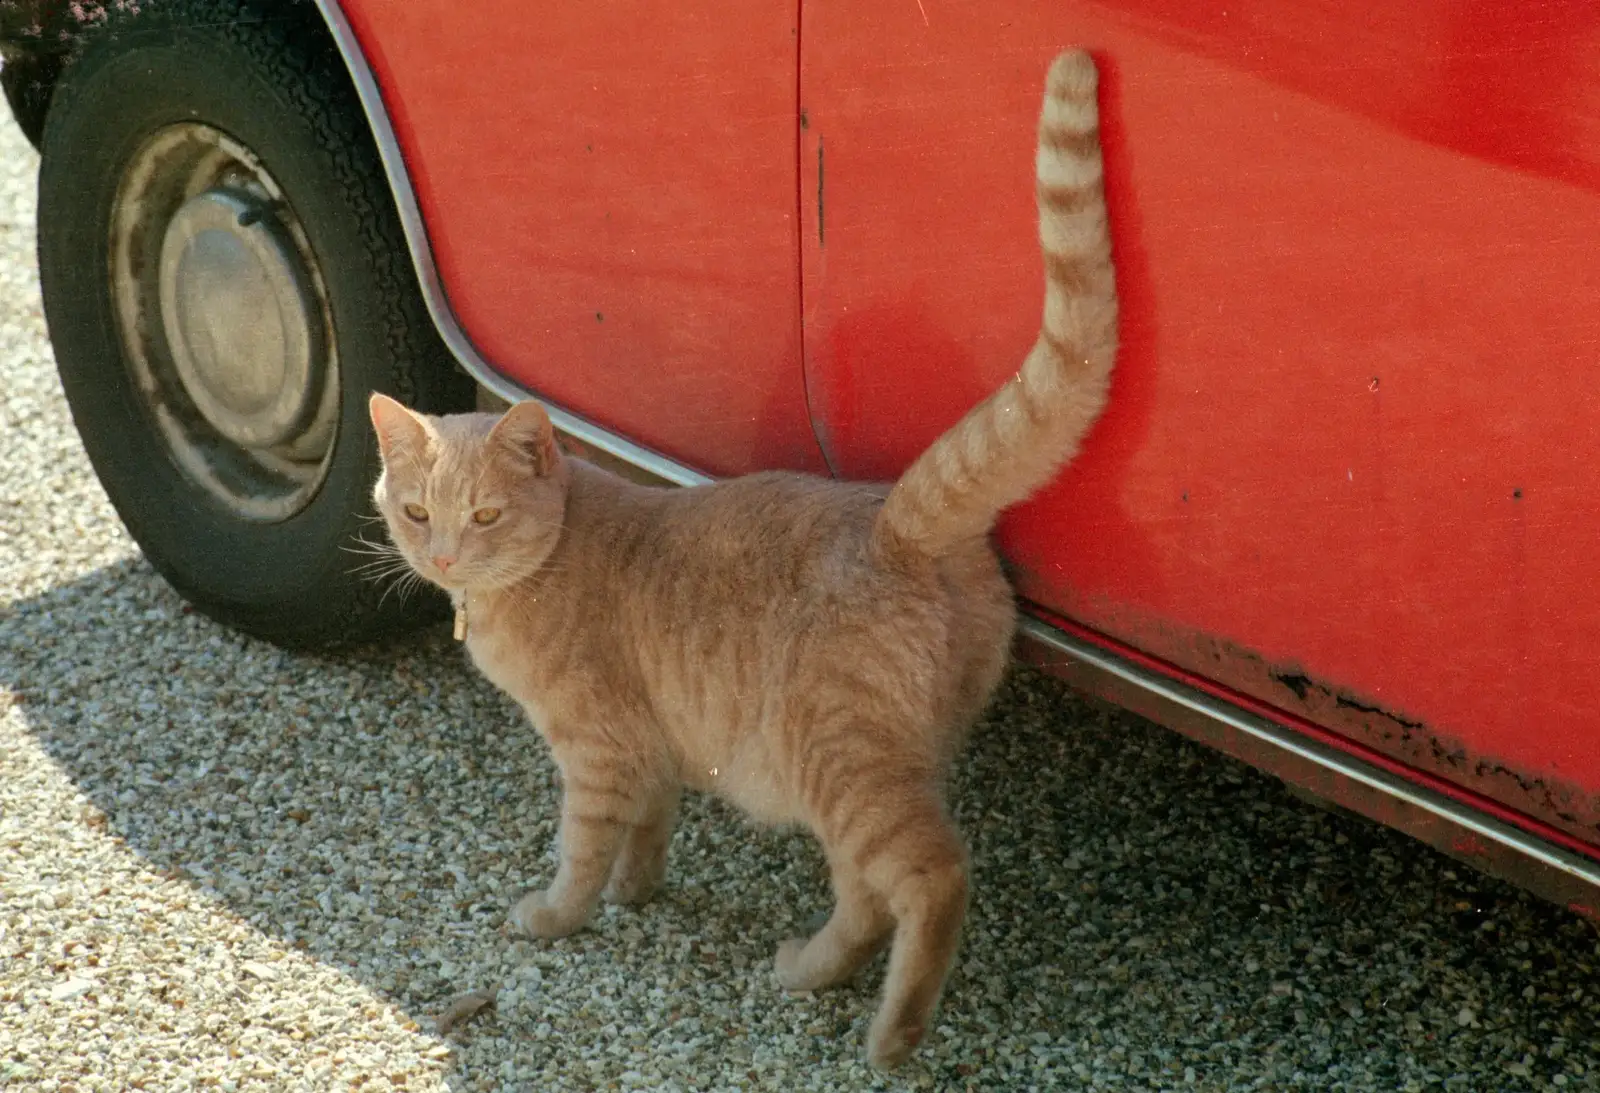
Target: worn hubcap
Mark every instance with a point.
(242, 328)
(225, 322)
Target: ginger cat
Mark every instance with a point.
(814, 651)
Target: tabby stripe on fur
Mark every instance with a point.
(1013, 442)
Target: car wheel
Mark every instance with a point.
(225, 279)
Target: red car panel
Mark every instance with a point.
(609, 192)
(1342, 473)
(1345, 467)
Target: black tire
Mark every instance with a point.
(267, 76)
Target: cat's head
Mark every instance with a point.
(471, 500)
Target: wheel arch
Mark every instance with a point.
(37, 37)
(587, 434)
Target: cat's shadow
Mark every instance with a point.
(1106, 852)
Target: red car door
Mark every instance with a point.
(1347, 465)
(609, 191)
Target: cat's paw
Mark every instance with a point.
(629, 891)
(789, 963)
(536, 916)
(796, 972)
(799, 970)
(890, 1043)
(633, 886)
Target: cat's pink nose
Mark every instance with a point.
(443, 562)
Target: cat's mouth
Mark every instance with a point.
(459, 583)
(451, 583)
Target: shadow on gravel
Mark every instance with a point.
(1145, 912)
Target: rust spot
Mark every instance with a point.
(1555, 883)
(1362, 707)
(1296, 682)
(1399, 735)
(1413, 742)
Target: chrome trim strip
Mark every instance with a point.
(1321, 755)
(455, 338)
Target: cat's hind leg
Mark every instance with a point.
(897, 860)
(891, 831)
(599, 806)
(920, 869)
(642, 864)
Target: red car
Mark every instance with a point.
(1339, 520)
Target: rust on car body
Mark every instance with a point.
(1369, 723)
(1416, 744)
(1480, 833)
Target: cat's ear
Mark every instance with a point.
(526, 430)
(400, 431)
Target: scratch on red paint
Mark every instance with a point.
(924, 12)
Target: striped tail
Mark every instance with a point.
(1013, 442)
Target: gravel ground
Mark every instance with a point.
(225, 866)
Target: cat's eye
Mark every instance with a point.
(486, 516)
(417, 512)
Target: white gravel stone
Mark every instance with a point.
(224, 866)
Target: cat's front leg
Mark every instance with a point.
(597, 811)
